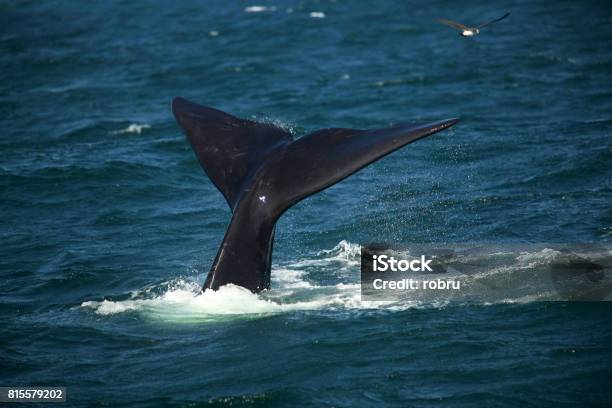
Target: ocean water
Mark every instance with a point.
(109, 226)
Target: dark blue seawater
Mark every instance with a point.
(109, 225)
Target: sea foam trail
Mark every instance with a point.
(259, 9)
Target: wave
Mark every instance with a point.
(317, 14)
(259, 9)
(133, 128)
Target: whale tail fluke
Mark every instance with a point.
(262, 171)
(231, 151)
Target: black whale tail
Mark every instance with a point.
(261, 171)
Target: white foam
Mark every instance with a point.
(107, 307)
(133, 128)
(541, 257)
(290, 278)
(186, 302)
(317, 14)
(259, 9)
(345, 251)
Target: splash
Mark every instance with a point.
(294, 289)
(185, 302)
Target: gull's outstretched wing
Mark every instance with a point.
(453, 24)
(494, 21)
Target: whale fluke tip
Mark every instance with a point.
(449, 122)
(446, 123)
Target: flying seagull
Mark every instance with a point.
(469, 31)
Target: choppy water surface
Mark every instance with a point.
(109, 225)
